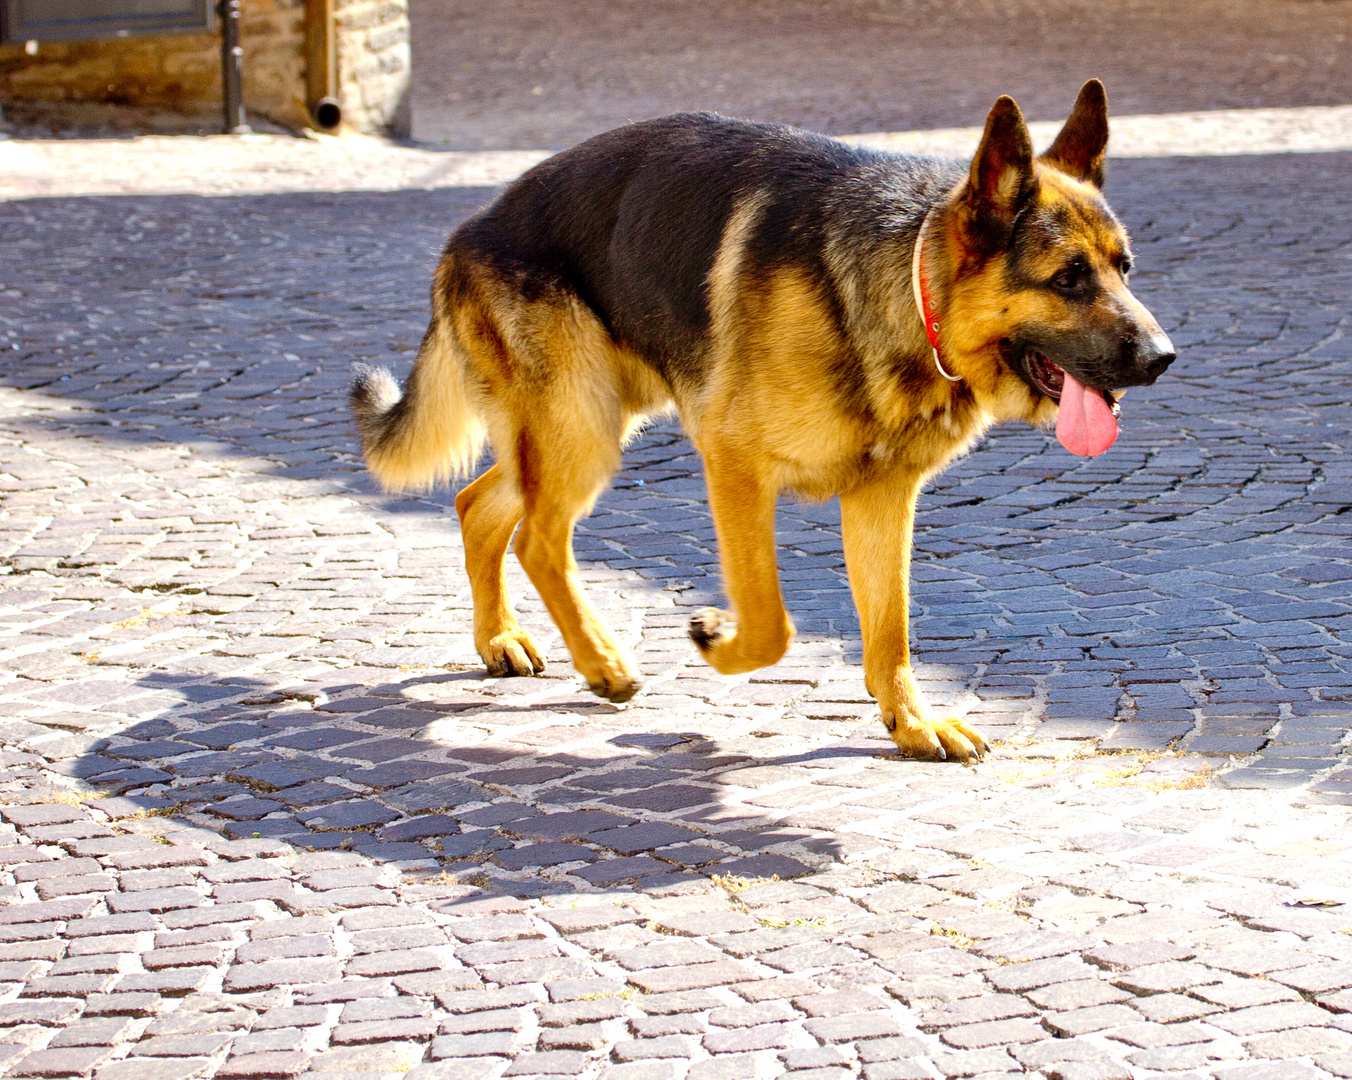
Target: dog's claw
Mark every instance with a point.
(618, 691)
(709, 626)
(936, 740)
(512, 653)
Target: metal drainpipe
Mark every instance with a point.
(321, 65)
(232, 64)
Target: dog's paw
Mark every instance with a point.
(933, 739)
(512, 653)
(710, 627)
(617, 688)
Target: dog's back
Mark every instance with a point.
(631, 222)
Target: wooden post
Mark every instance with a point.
(321, 65)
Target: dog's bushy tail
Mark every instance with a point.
(428, 434)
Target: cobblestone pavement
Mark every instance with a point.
(533, 73)
(269, 164)
(264, 816)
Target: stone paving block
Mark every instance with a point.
(744, 1040)
(848, 1028)
(1034, 945)
(1238, 994)
(1316, 978)
(552, 1063)
(1270, 1018)
(1170, 1008)
(142, 1003)
(268, 973)
(580, 1012)
(472, 1001)
(765, 1012)
(641, 1070)
(544, 970)
(663, 980)
(277, 1063)
(158, 856)
(419, 827)
(1036, 973)
(1171, 976)
(1089, 1070)
(208, 915)
(469, 1069)
(186, 956)
(612, 871)
(397, 1057)
(311, 794)
(65, 1062)
(573, 1037)
(378, 1031)
(1286, 1070)
(588, 987)
(500, 928)
(1077, 994)
(134, 1068)
(543, 854)
(973, 1062)
(42, 814)
(48, 910)
(348, 815)
(1096, 1018)
(724, 1067)
(905, 1070)
(1338, 1064)
(577, 920)
(395, 962)
(974, 1010)
(1136, 954)
(1152, 1036)
(1297, 1042)
(182, 1045)
(632, 839)
(275, 1040)
(992, 1033)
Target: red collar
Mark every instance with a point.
(920, 287)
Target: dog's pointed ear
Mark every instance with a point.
(1002, 178)
(1083, 143)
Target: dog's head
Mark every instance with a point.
(1038, 279)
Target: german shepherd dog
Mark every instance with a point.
(824, 318)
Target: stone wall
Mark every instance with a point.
(374, 65)
(181, 74)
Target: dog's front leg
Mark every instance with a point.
(758, 629)
(876, 519)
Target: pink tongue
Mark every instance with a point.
(1085, 425)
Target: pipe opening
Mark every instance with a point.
(327, 112)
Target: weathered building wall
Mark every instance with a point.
(374, 64)
(182, 72)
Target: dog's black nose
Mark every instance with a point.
(1154, 355)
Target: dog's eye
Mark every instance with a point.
(1068, 280)
(1124, 266)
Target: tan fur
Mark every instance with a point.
(438, 436)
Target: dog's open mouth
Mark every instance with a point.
(1051, 380)
(1086, 417)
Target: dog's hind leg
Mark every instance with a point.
(563, 463)
(758, 630)
(876, 520)
(489, 510)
